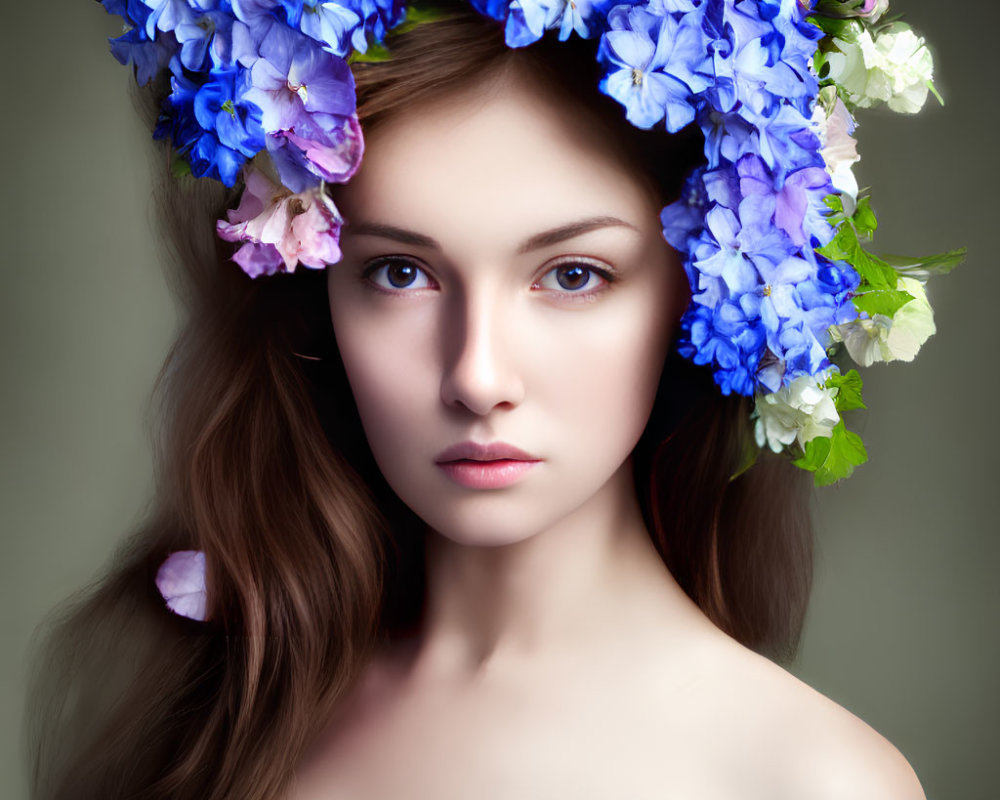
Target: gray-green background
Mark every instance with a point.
(903, 628)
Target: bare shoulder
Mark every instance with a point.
(802, 743)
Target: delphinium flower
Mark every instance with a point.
(767, 61)
(793, 204)
(339, 27)
(727, 341)
(525, 21)
(656, 63)
(785, 140)
(149, 56)
(280, 230)
(211, 29)
(214, 125)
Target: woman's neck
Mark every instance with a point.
(584, 583)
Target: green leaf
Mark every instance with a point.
(848, 390)
(864, 218)
(835, 203)
(881, 301)
(837, 28)
(748, 458)
(418, 16)
(845, 247)
(376, 53)
(833, 458)
(820, 65)
(179, 168)
(935, 92)
(922, 268)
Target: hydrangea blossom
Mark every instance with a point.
(799, 412)
(899, 338)
(895, 68)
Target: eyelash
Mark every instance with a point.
(380, 265)
(383, 263)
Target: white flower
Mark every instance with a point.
(802, 410)
(883, 339)
(896, 68)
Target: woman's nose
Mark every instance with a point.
(480, 363)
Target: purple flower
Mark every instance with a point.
(313, 83)
(793, 204)
(307, 98)
(181, 581)
(332, 155)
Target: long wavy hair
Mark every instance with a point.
(312, 560)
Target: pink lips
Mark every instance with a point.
(484, 466)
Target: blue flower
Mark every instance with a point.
(525, 21)
(221, 105)
(767, 62)
(684, 220)
(212, 124)
(655, 65)
(148, 56)
(336, 25)
(205, 40)
(785, 140)
(725, 339)
(165, 15)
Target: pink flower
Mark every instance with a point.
(281, 230)
(840, 149)
(181, 581)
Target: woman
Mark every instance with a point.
(568, 601)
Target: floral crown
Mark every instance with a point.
(773, 229)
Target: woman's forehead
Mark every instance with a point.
(502, 156)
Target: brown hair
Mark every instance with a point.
(261, 464)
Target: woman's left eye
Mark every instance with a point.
(398, 274)
(574, 277)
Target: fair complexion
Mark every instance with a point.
(504, 281)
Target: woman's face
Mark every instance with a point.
(503, 311)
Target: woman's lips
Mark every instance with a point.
(485, 466)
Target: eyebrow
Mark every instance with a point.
(538, 241)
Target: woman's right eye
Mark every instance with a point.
(397, 274)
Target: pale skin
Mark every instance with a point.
(558, 658)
